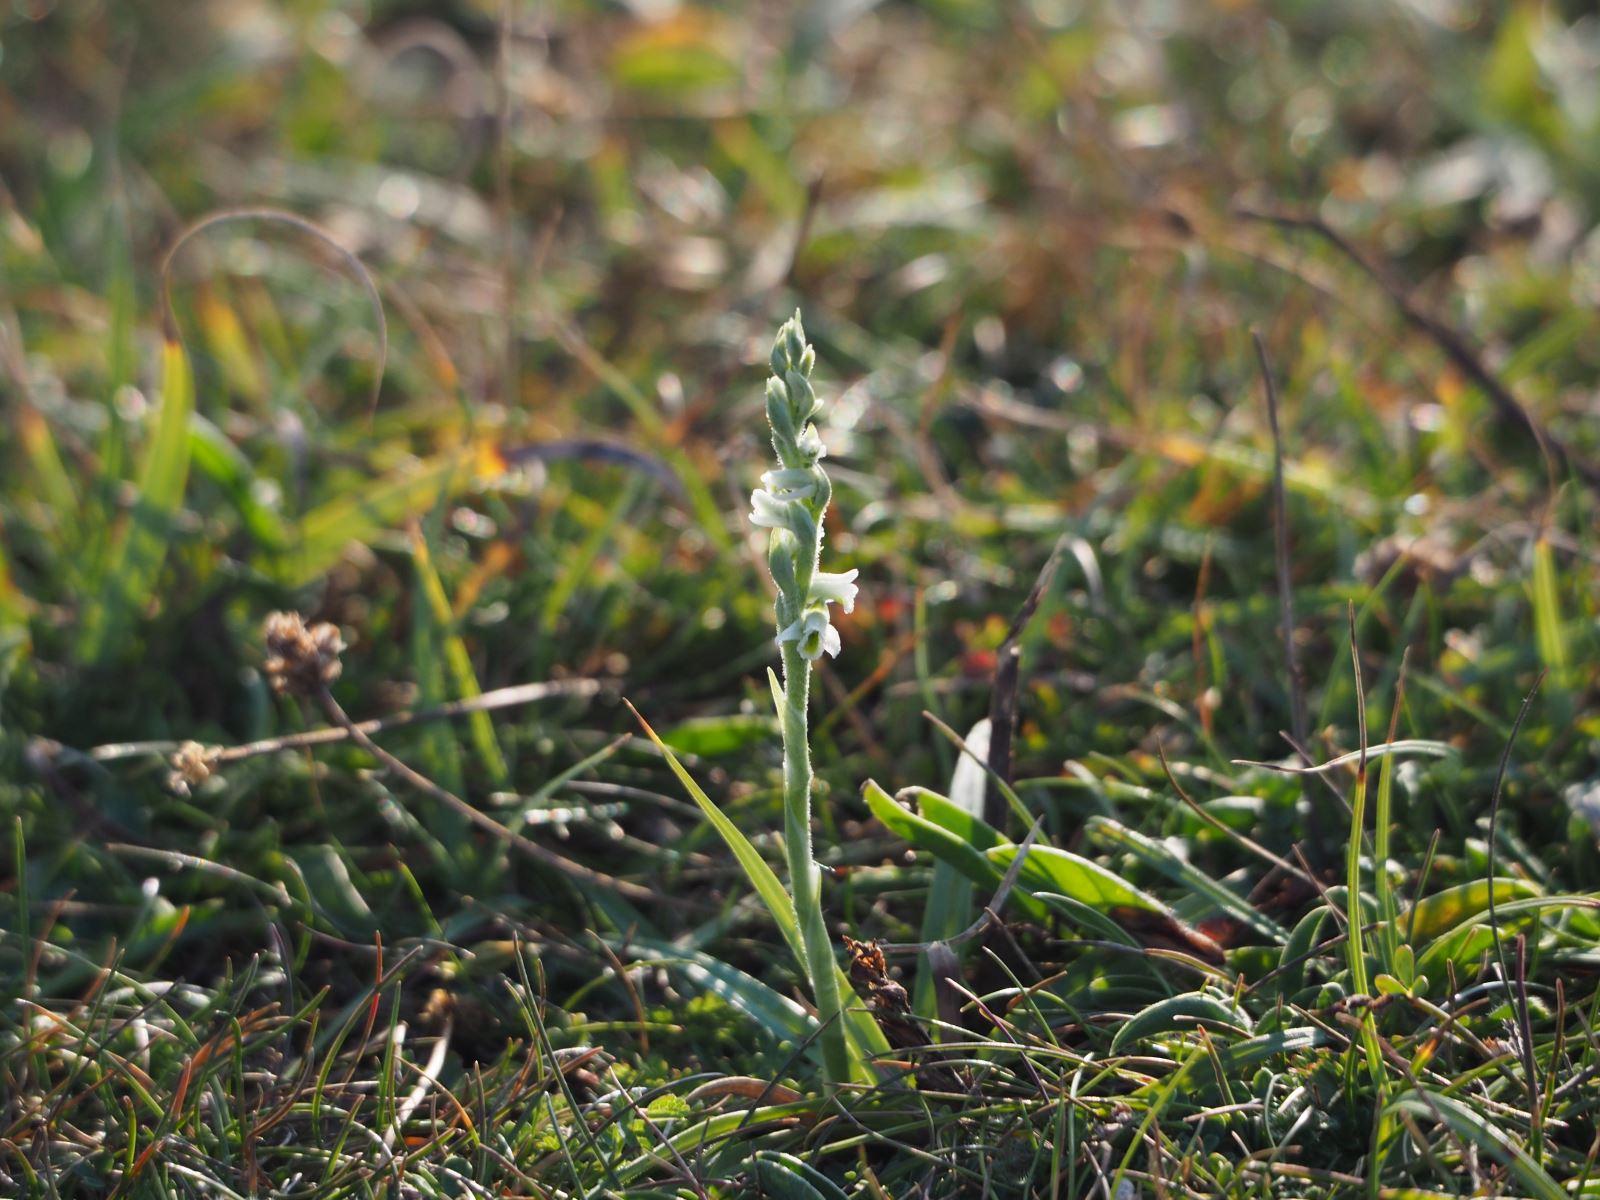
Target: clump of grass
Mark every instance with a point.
(438, 924)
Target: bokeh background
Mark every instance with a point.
(491, 403)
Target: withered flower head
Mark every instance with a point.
(191, 766)
(301, 659)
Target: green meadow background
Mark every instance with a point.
(447, 323)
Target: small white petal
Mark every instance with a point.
(812, 634)
(810, 443)
(791, 483)
(830, 641)
(828, 587)
(768, 511)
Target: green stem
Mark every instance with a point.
(804, 878)
(1356, 944)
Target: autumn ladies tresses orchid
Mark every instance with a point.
(791, 503)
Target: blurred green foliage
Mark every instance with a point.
(1020, 235)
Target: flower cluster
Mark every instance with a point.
(792, 500)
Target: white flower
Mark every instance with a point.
(813, 634)
(783, 512)
(810, 443)
(791, 483)
(770, 512)
(829, 587)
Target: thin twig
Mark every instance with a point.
(507, 697)
(1255, 847)
(548, 858)
(1296, 682)
(990, 915)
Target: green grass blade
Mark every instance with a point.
(864, 1037)
(463, 679)
(785, 1177)
(1050, 869)
(948, 909)
(966, 858)
(1181, 1014)
(1443, 911)
(1113, 835)
(133, 566)
(1547, 614)
(780, 1016)
(1470, 1126)
(214, 456)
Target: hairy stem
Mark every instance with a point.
(804, 877)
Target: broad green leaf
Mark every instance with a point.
(1443, 911)
(1468, 938)
(948, 909)
(1051, 870)
(785, 1177)
(1182, 1014)
(955, 817)
(1113, 835)
(945, 846)
(335, 894)
(1296, 951)
(780, 1016)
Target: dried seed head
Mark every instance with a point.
(191, 766)
(301, 659)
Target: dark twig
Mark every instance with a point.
(1280, 507)
(990, 915)
(1003, 700)
(1525, 1027)
(1452, 342)
(1319, 841)
(1278, 861)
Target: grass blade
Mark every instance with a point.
(132, 569)
(864, 1037)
